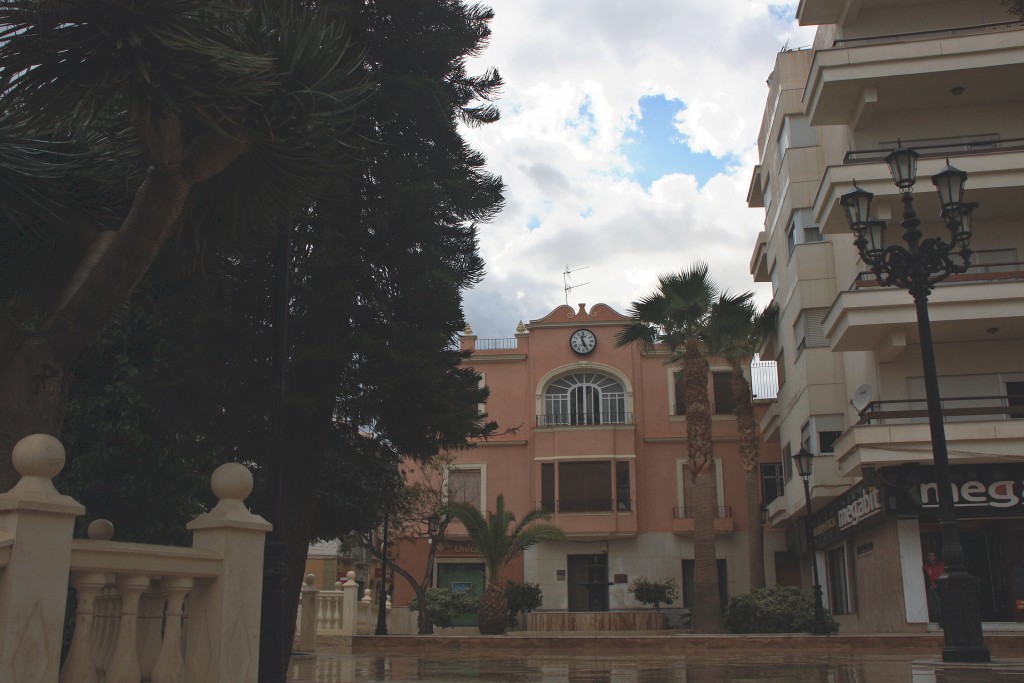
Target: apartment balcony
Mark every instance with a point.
(978, 305)
(861, 77)
(592, 517)
(682, 520)
(995, 168)
(892, 432)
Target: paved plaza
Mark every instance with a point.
(631, 660)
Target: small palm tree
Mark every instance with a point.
(498, 545)
(677, 317)
(736, 332)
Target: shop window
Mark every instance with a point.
(838, 588)
(689, 593)
(585, 486)
(772, 482)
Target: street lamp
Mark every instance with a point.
(803, 467)
(917, 267)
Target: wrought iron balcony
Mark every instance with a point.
(954, 408)
(589, 419)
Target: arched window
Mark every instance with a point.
(584, 398)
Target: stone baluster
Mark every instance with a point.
(33, 585)
(170, 664)
(349, 604)
(81, 664)
(310, 616)
(108, 607)
(222, 639)
(151, 627)
(124, 662)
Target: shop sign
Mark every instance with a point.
(978, 490)
(859, 508)
(456, 548)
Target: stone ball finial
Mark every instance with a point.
(38, 455)
(231, 481)
(310, 579)
(100, 530)
(468, 331)
(520, 328)
(350, 577)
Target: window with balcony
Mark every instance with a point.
(585, 399)
(772, 482)
(679, 393)
(796, 132)
(684, 483)
(810, 329)
(586, 486)
(721, 384)
(801, 229)
(820, 433)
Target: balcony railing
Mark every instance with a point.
(954, 408)
(929, 35)
(980, 142)
(507, 344)
(585, 419)
(721, 512)
(976, 272)
(588, 505)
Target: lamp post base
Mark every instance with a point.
(961, 619)
(819, 628)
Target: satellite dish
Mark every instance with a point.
(861, 397)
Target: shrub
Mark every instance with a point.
(655, 593)
(522, 598)
(443, 605)
(776, 609)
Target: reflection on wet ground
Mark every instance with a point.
(339, 667)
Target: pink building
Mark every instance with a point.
(601, 444)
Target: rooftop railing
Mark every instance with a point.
(506, 344)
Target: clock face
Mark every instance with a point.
(582, 341)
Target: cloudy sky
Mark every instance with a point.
(627, 141)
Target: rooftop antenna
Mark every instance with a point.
(565, 281)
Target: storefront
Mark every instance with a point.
(989, 501)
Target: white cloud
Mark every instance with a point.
(575, 71)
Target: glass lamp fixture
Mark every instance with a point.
(903, 166)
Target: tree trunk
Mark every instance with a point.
(749, 452)
(493, 616)
(707, 610)
(423, 625)
(33, 386)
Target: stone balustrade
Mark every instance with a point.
(142, 612)
(334, 613)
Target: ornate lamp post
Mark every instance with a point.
(803, 461)
(917, 267)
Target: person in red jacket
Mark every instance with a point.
(933, 569)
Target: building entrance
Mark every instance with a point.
(994, 554)
(588, 583)
(462, 576)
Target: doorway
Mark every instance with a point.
(588, 583)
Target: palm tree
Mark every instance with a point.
(677, 316)
(498, 545)
(736, 333)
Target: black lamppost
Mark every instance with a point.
(382, 597)
(803, 467)
(917, 267)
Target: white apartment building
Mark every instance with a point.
(947, 79)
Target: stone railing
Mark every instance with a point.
(334, 613)
(142, 612)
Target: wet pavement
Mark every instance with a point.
(751, 666)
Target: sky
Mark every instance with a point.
(627, 140)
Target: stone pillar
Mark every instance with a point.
(349, 605)
(36, 524)
(223, 614)
(307, 627)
